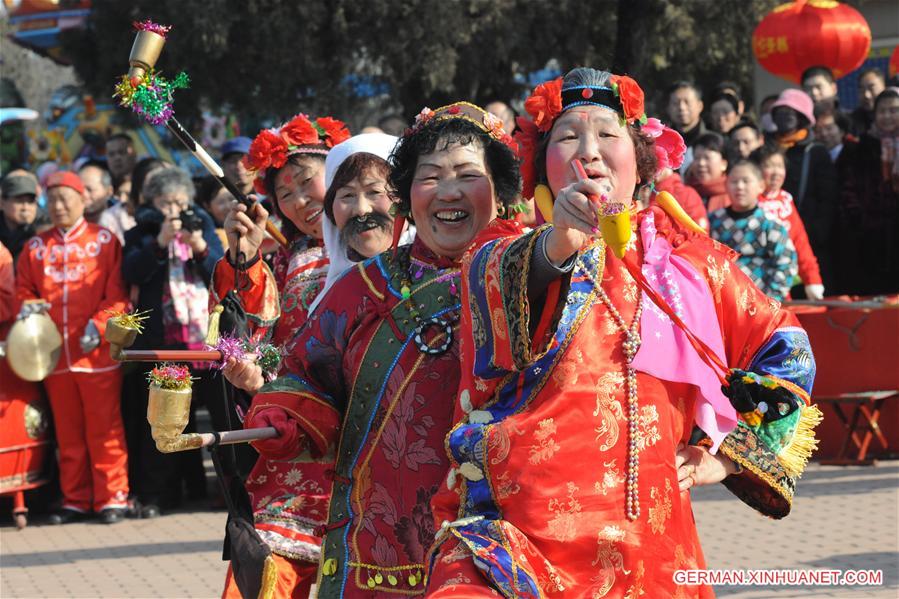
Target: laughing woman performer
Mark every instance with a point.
(289, 163)
(288, 497)
(371, 379)
(570, 458)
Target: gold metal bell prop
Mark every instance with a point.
(119, 337)
(33, 347)
(144, 53)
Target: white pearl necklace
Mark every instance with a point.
(630, 346)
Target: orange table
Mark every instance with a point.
(864, 419)
(856, 350)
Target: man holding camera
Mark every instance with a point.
(73, 272)
(169, 256)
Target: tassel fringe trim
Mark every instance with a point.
(795, 456)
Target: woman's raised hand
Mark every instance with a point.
(575, 218)
(245, 229)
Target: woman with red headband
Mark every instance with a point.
(288, 497)
(591, 394)
(289, 164)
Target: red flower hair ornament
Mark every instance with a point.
(630, 94)
(272, 147)
(545, 104)
(528, 138)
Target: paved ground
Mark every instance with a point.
(843, 518)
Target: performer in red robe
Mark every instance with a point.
(289, 164)
(571, 457)
(76, 268)
(370, 380)
(288, 497)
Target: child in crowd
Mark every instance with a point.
(765, 252)
(777, 204)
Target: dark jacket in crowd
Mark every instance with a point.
(818, 203)
(14, 238)
(868, 244)
(145, 264)
(860, 121)
(691, 136)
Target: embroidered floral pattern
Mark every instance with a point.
(545, 447)
(609, 559)
(505, 487)
(611, 478)
(636, 589)
(660, 510)
(717, 274)
(564, 525)
(745, 303)
(647, 430)
(608, 408)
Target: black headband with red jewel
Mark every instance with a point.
(583, 95)
(623, 95)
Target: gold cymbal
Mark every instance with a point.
(33, 347)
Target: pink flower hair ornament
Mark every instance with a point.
(669, 146)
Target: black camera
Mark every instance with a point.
(190, 220)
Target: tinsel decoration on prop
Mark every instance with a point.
(266, 355)
(151, 96)
(129, 320)
(170, 377)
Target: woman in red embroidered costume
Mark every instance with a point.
(372, 376)
(289, 165)
(575, 446)
(288, 496)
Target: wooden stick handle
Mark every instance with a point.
(242, 436)
(861, 305)
(213, 167)
(169, 355)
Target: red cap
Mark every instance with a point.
(65, 179)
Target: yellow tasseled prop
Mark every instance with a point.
(212, 333)
(269, 578)
(673, 209)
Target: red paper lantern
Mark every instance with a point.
(808, 33)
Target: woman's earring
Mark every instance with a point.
(501, 210)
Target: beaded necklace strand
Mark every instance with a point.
(423, 324)
(629, 347)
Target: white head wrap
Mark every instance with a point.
(379, 144)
